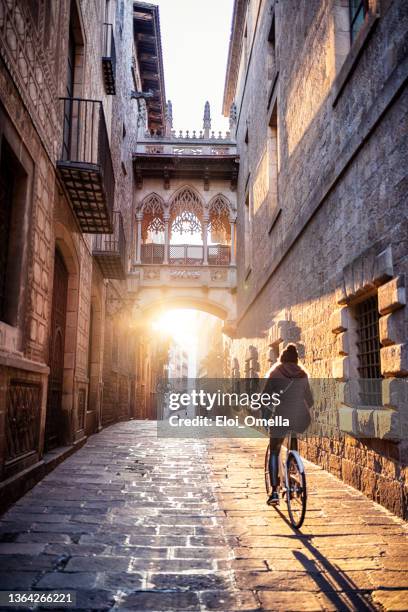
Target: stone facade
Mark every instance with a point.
(323, 220)
(97, 377)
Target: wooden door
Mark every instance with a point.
(54, 424)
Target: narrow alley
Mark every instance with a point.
(135, 522)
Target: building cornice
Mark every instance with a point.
(151, 68)
(234, 54)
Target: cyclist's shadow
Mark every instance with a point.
(349, 596)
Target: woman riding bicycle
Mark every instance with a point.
(296, 400)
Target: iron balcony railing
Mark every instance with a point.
(152, 253)
(86, 164)
(109, 59)
(186, 254)
(219, 255)
(110, 249)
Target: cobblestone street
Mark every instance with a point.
(132, 522)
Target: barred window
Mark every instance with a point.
(358, 12)
(369, 352)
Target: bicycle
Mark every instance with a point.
(295, 484)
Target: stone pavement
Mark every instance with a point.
(133, 522)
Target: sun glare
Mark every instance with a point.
(181, 325)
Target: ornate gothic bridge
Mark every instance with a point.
(185, 205)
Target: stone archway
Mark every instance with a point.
(62, 418)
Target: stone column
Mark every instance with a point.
(139, 217)
(205, 231)
(232, 226)
(166, 238)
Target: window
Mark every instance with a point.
(358, 11)
(273, 159)
(368, 345)
(13, 188)
(246, 46)
(271, 52)
(247, 253)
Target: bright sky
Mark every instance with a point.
(195, 38)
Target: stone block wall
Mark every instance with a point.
(342, 192)
(33, 72)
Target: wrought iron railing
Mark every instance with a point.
(112, 244)
(186, 254)
(219, 255)
(109, 58)
(152, 253)
(85, 140)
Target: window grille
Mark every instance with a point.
(369, 352)
(358, 12)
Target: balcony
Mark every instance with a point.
(186, 254)
(109, 59)
(85, 167)
(109, 250)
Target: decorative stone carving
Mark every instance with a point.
(219, 150)
(142, 118)
(219, 211)
(169, 118)
(233, 118)
(154, 149)
(219, 275)
(207, 116)
(186, 212)
(152, 209)
(187, 150)
(151, 274)
(185, 274)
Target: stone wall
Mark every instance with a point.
(342, 191)
(33, 72)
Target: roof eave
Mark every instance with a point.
(234, 54)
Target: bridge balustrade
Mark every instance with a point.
(186, 254)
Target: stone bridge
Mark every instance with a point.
(185, 205)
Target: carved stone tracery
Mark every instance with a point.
(186, 212)
(153, 215)
(219, 219)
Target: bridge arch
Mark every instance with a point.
(150, 305)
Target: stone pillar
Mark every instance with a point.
(205, 231)
(232, 226)
(166, 239)
(139, 218)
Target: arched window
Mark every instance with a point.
(219, 220)
(153, 219)
(186, 214)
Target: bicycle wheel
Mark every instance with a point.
(268, 487)
(296, 493)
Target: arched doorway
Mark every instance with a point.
(53, 425)
(177, 340)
